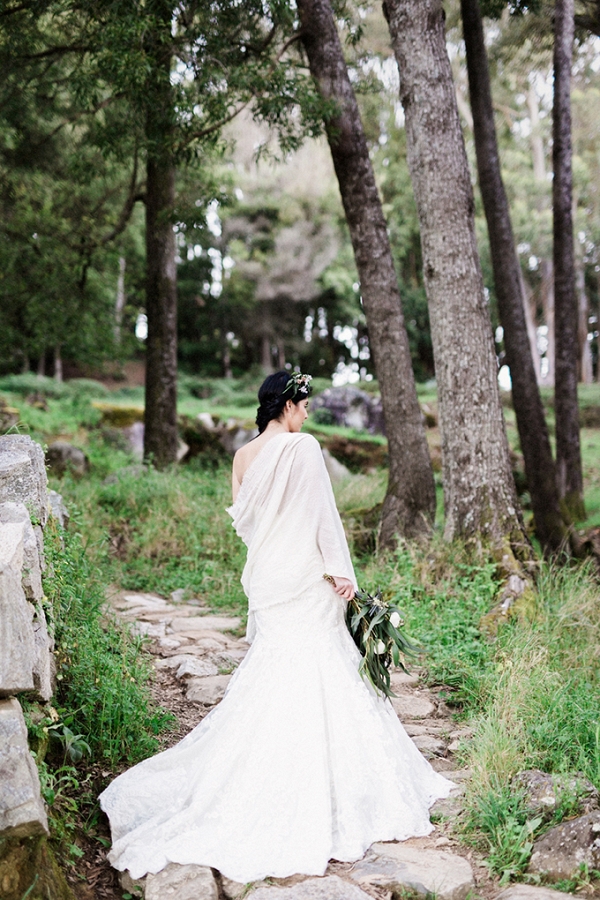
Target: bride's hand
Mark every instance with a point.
(344, 587)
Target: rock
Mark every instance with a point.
(412, 706)
(560, 852)
(17, 642)
(58, 509)
(543, 792)
(209, 623)
(398, 680)
(233, 890)
(44, 668)
(188, 666)
(13, 513)
(178, 595)
(208, 690)
(405, 866)
(206, 420)
(63, 457)
(430, 745)
(119, 416)
(330, 887)
(9, 415)
(182, 883)
(351, 407)
(131, 885)
(23, 475)
(134, 435)
(233, 436)
(22, 812)
(531, 892)
(337, 470)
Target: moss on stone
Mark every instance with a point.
(29, 869)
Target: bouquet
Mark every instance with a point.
(375, 627)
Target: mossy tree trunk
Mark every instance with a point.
(479, 490)
(160, 419)
(568, 449)
(550, 528)
(409, 505)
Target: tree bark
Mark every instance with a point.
(120, 300)
(409, 505)
(585, 368)
(479, 489)
(533, 431)
(160, 418)
(568, 451)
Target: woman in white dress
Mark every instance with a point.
(301, 762)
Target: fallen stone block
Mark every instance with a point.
(22, 812)
(23, 475)
(182, 883)
(12, 513)
(560, 852)
(208, 690)
(400, 866)
(329, 887)
(17, 641)
(531, 892)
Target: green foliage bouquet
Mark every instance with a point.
(376, 628)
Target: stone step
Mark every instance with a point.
(408, 866)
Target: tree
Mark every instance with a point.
(527, 402)
(409, 505)
(568, 450)
(479, 491)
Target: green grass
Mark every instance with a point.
(102, 670)
(531, 695)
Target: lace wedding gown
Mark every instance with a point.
(301, 761)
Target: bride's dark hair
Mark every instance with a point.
(273, 394)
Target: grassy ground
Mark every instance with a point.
(531, 695)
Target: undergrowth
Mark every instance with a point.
(103, 671)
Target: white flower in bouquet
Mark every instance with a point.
(380, 648)
(395, 619)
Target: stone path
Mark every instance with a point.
(195, 653)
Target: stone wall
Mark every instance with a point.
(26, 654)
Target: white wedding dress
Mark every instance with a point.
(301, 762)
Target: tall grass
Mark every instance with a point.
(103, 671)
(543, 696)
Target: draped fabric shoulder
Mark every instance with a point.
(286, 515)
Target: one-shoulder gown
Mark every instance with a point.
(301, 762)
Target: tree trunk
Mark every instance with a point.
(41, 366)
(160, 418)
(479, 489)
(409, 505)
(546, 271)
(120, 300)
(58, 365)
(585, 368)
(547, 291)
(529, 311)
(527, 402)
(568, 451)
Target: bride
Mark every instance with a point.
(301, 762)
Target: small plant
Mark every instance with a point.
(498, 819)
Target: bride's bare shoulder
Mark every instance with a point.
(245, 455)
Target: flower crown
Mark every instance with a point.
(298, 384)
